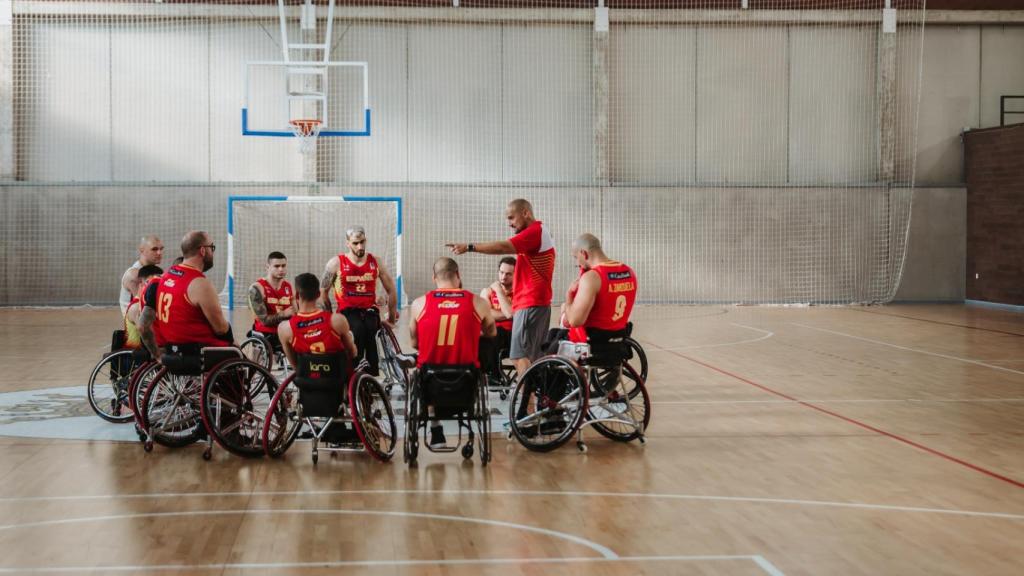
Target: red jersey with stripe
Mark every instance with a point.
(355, 286)
(535, 267)
(614, 300)
(312, 334)
(277, 301)
(495, 305)
(179, 320)
(448, 329)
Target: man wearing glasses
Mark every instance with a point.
(352, 277)
(185, 303)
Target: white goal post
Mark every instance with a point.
(309, 230)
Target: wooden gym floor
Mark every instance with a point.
(880, 440)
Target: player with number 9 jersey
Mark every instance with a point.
(312, 334)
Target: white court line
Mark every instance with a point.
(759, 560)
(604, 551)
(847, 401)
(767, 334)
(543, 493)
(937, 354)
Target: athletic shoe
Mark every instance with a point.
(437, 439)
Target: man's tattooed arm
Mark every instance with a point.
(145, 325)
(325, 289)
(259, 308)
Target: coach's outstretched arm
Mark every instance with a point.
(496, 248)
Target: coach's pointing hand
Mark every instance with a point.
(458, 248)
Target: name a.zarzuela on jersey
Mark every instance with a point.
(614, 286)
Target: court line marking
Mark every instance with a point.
(757, 559)
(541, 493)
(908, 349)
(995, 330)
(604, 551)
(857, 423)
(847, 401)
(767, 334)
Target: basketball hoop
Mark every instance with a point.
(306, 130)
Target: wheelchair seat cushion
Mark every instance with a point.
(453, 388)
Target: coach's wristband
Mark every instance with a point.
(470, 248)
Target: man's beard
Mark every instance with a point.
(359, 253)
(207, 263)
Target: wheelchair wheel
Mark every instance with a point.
(548, 404)
(108, 387)
(412, 412)
(638, 362)
(235, 399)
(394, 373)
(140, 381)
(283, 421)
(484, 424)
(257, 350)
(372, 416)
(170, 410)
(628, 405)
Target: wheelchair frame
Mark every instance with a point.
(417, 418)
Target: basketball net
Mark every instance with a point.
(307, 131)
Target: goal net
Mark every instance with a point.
(309, 231)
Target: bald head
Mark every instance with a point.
(446, 269)
(519, 214)
(151, 250)
(588, 242)
(521, 206)
(193, 242)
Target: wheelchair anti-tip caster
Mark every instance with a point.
(147, 445)
(315, 456)
(581, 447)
(467, 451)
(207, 454)
(503, 395)
(643, 439)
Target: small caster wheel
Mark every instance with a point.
(207, 454)
(387, 390)
(147, 445)
(467, 451)
(315, 457)
(581, 447)
(508, 435)
(643, 439)
(503, 395)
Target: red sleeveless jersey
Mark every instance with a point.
(506, 324)
(614, 300)
(277, 301)
(448, 329)
(355, 286)
(312, 334)
(178, 319)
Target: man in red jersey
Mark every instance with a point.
(499, 295)
(312, 330)
(446, 325)
(187, 307)
(270, 299)
(531, 283)
(602, 298)
(352, 277)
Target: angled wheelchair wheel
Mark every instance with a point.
(624, 410)
(107, 389)
(391, 369)
(373, 416)
(483, 414)
(411, 445)
(283, 422)
(638, 361)
(235, 400)
(257, 349)
(548, 404)
(170, 410)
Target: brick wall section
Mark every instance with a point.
(995, 214)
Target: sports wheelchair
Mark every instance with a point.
(266, 352)
(108, 389)
(346, 418)
(393, 371)
(211, 392)
(582, 384)
(457, 393)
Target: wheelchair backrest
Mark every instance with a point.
(117, 340)
(321, 380)
(195, 359)
(446, 386)
(607, 347)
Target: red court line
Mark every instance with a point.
(896, 437)
(937, 322)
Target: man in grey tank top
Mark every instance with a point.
(151, 252)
